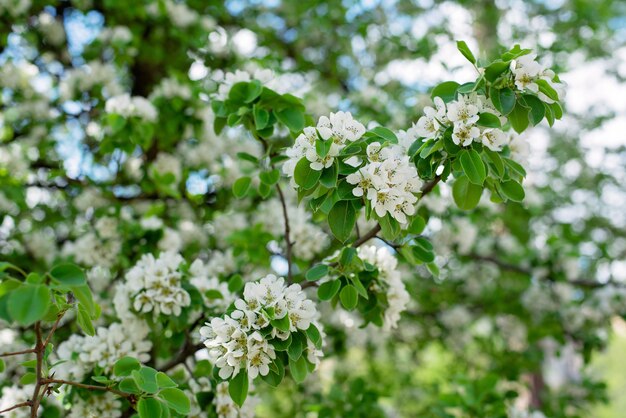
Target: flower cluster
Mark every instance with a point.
(79, 354)
(527, 72)
(388, 180)
(128, 106)
(12, 395)
(462, 114)
(390, 278)
(236, 342)
(340, 129)
(102, 406)
(154, 285)
(214, 292)
(226, 408)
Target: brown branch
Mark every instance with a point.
(88, 387)
(188, 349)
(19, 405)
(368, 235)
(17, 353)
(287, 233)
(54, 328)
(39, 349)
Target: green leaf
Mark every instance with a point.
(305, 176)
(84, 321)
(2, 365)
(125, 366)
(328, 290)
(292, 119)
(537, 109)
(28, 303)
(515, 166)
(276, 374)
(322, 147)
(489, 120)
(349, 297)
(417, 225)
(503, 100)
(494, 70)
(283, 324)
(473, 166)
(512, 190)
(84, 296)
(241, 187)
(235, 284)
(384, 133)
(149, 408)
(423, 250)
(68, 275)
(341, 220)
(270, 177)
(547, 89)
(466, 194)
(445, 90)
(145, 378)
(298, 369)
(177, 400)
(519, 118)
(314, 335)
(347, 255)
(316, 272)
(281, 345)
(28, 378)
(261, 117)
(329, 176)
(238, 388)
(495, 158)
(298, 342)
(245, 92)
(467, 53)
(390, 228)
(129, 385)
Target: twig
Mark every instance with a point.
(84, 386)
(39, 349)
(287, 232)
(19, 405)
(369, 235)
(17, 353)
(54, 328)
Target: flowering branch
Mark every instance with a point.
(19, 405)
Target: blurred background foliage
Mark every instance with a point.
(526, 293)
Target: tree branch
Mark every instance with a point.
(17, 353)
(84, 386)
(19, 405)
(287, 233)
(39, 349)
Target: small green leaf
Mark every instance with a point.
(298, 342)
(283, 324)
(68, 275)
(28, 303)
(292, 119)
(125, 366)
(467, 53)
(329, 176)
(417, 225)
(473, 166)
(235, 284)
(494, 70)
(503, 100)
(164, 381)
(245, 92)
(276, 374)
(512, 190)
(305, 176)
(519, 118)
(2, 365)
(314, 335)
(489, 120)
(445, 90)
(270, 177)
(241, 187)
(261, 117)
(328, 290)
(349, 297)
(177, 400)
(537, 109)
(466, 194)
(322, 146)
(298, 369)
(316, 272)
(423, 250)
(84, 321)
(341, 220)
(128, 385)
(238, 388)
(145, 378)
(149, 408)
(385, 133)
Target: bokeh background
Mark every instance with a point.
(377, 59)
